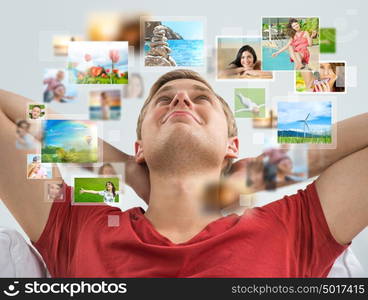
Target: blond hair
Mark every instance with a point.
(187, 74)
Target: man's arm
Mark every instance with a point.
(343, 192)
(351, 135)
(25, 198)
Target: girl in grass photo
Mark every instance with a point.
(108, 194)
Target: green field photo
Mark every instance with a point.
(249, 102)
(327, 40)
(95, 184)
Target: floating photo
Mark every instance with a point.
(24, 139)
(270, 121)
(98, 62)
(329, 78)
(60, 43)
(276, 167)
(290, 43)
(36, 111)
(135, 88)
(240, 58)
(304, 122)
(57, 88)
(174, 43)
(104, 105)
(96, 190)
(115, 26)
(249, 102)
(36, 169)
(55, 191)
(66, 141)
(327, 40)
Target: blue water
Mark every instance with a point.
(95, 113)
(185, 52)
(280, 62)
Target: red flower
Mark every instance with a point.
(103, 75)
(116, 71)
(107, 70)
(95, 71)
(122, 74)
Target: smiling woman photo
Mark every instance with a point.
(245, 65)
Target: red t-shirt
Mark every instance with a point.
(286, 238)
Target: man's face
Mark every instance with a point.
(185, 125)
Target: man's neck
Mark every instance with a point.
(176, 205)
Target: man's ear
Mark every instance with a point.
(139, 157)
(232, 150)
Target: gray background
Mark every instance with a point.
(26, 26)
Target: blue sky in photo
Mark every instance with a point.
(189, 30)
(289, 113)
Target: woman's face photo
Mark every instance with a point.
(326, 71)
(109, 186)
(295, 26)
(247, 59)
(60, 91)
(54, 191)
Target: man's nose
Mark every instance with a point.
(182, 100)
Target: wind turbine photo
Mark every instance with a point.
(316, 123)
(305, 123)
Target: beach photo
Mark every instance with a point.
(328, 78)
(304, 122)
(290, 43)
(98, 62)
(57, 88)
(66, 141)
(249, 102)
(240, 58)
(96, 190)
(174, 43)
(60, 43)
(105, 105)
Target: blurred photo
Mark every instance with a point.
(36, 169)
(96, 190)
(105, 105)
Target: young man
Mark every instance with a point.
(186, 138)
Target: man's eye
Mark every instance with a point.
(202, 97)
(163, 99)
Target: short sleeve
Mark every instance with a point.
(308, 235)
(59, 239)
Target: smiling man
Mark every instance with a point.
(186, 138)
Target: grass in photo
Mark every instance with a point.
(98, 62)
(66, 141)
(105, 105)
(174, 43)
(96, 190)
(327, 40)
(304, 122)
(249, 102)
